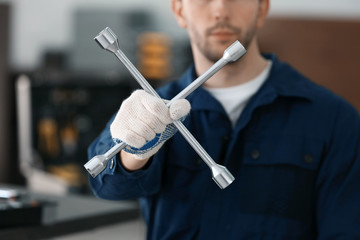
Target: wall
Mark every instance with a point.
(39, 24)
(324, 51)
(339, 9)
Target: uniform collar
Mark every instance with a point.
(286, 81)
(283, 81)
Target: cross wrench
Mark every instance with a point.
(108, 40)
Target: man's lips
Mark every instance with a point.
(222, 34)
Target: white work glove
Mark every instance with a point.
(144, 123)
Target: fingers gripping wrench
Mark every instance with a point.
(108, 40)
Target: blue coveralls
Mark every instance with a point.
(294, 153)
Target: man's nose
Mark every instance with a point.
(221, 9)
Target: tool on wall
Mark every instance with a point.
(108, 40)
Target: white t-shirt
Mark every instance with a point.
(234, 99)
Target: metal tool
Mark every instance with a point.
(108, 40)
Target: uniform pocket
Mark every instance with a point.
(278, 177)
(287, 150)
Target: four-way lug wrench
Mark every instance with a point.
(108, 40)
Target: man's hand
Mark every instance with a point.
(144, 123)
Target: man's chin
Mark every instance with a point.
(217, 51)
(213, 56)
(214, 50)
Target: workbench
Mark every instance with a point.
(72, 214)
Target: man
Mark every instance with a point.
(292, 146)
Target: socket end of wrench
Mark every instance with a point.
(96, 165)
(234, 52)
(221, 176)
(107, 40)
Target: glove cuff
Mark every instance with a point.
(151, 147)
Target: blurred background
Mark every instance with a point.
(58, 88)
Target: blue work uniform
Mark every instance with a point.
(294, 153)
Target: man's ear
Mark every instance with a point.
(177, 8)
(264, 6)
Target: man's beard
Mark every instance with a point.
(212, 52)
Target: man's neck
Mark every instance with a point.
(241, 71)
